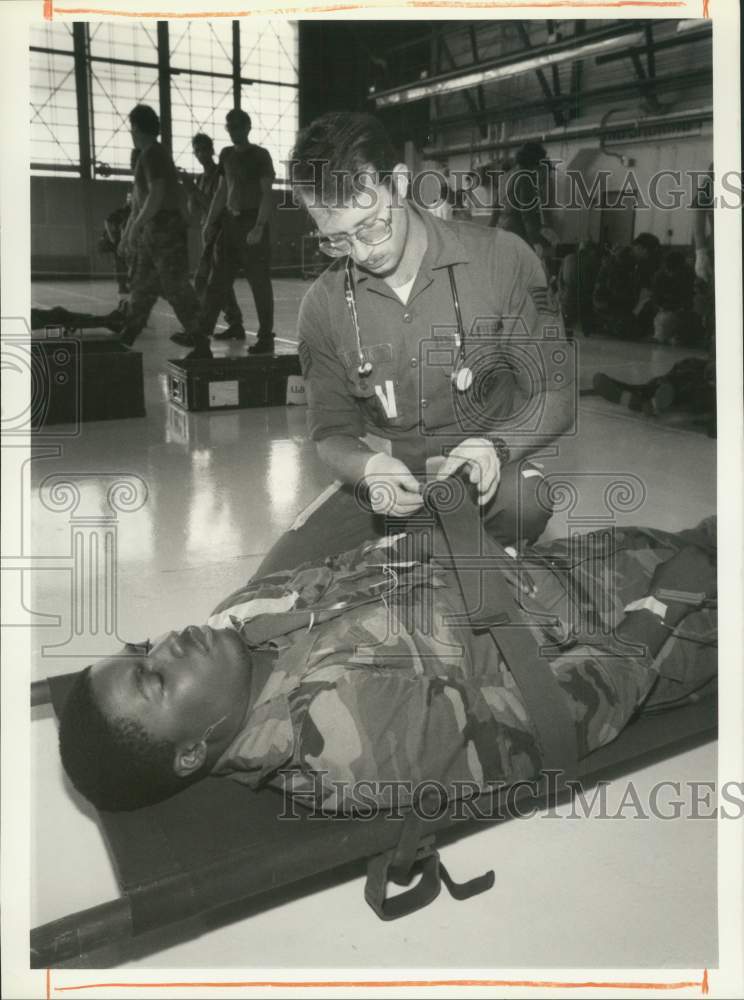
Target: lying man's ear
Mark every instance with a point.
(190, 758)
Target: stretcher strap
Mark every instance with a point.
(488, 599)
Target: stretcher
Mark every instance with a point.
(70, 322)
(218, 850)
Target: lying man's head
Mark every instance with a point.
(140, 726)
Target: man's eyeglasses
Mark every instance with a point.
(371, 235)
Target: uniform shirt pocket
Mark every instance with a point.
(381, 358)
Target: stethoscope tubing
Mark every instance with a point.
(462, 376)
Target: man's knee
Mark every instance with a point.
(520, 510)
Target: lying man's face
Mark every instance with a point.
(187, 682)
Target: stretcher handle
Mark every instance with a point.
(41, 693)
(382, 869)
(420, 895)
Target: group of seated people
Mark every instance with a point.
(636, 292)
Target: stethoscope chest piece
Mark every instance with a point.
(365, 369)
(463, 379)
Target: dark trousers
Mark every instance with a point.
(230, 306)
(231, 253)
(122, 273)
(161, 267)
(339, 520)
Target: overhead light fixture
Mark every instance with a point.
(693, 24)
(448, 84)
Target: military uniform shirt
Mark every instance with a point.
(514, 342)
(243, 169)
(154, 164)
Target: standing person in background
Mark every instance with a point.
(201, 191)
(113, 228)
(703, 227)
(576, 281)
(525, 198)
(238, 221)
(156, 237)
(705, 287)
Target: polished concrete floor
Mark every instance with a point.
(208, 495)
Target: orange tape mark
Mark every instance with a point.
(387, 983)
(48, 9)
(706, 8)
(346, 7)
(48, 971)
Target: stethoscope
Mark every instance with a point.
(462, 376)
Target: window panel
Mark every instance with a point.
(132, 40)
(199, 102)
(270, 51)
(274, 112)
(54, 136)
(115, 90)
(52, 35)
(201, 45)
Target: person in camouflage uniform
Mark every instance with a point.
(156, 238)
(201, 191)
(345, 679)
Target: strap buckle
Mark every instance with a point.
(382, 868)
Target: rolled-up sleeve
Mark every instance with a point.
(331, 408)
(533, 330)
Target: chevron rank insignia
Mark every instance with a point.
(543, 300)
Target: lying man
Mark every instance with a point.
(340, 679)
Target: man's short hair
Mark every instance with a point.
(341, 148)
(145, 118)
(113, 762)
(239, 117)
(202, 139)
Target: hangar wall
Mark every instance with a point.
(345, 65)
(67, 216)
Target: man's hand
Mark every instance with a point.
(186, 179)
(691, 569)
(478, 456)
(393, 489)
(253, 236)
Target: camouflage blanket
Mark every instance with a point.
(367, 702)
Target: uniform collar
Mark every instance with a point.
(443, 249)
